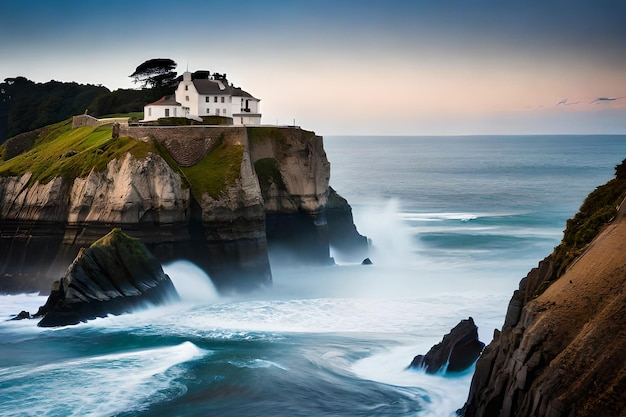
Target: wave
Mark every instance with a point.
(443, 395)
(109, 384)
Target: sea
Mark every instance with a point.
(454, 224)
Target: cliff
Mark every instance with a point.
(201, 193)
(562, 349)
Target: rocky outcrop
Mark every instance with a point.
(212, 195)
(562, 349)
(458, 350)
(113, 276)
(305, 217)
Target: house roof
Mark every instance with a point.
(215, 88)
(165, 101)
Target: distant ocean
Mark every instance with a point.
(455, 222)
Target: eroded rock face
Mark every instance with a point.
(113, 276)
(44, 225)
(562, 353)
(305, 217)
(129, 191)
(458, 350)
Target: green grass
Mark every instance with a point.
(125, 243)
(259, 134)
(52, 154)
(597, 210)
(138, 115)
(72, 153)
(216, 171)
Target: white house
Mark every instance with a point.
(206, 97)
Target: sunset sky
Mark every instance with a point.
(421, 67)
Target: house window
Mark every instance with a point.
(167, 112)
(242, 120)
(222, 99)
(186, 98)
(215, 99)
(224, 111)
(186, 87)
(208, 111)
(149, 111)
(217, 111)
(207, 99)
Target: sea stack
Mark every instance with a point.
(458, 350)
(113, 276)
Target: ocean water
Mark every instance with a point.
(455, 223)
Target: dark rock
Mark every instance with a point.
(19, 144)
(367, 261)
(22, 316)
(113, 276)
(458, 350)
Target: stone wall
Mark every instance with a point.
(87, 120)
(84, 120)
(187, 144)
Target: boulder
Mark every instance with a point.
(458, 350)
(113, 276)
(22, 315)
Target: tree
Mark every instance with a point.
(155, 73)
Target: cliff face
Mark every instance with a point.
(304, 215)
(195, 193)
(562, 349)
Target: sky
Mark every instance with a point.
(352, 67)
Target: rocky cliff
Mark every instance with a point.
(562, 349)
(213, 195)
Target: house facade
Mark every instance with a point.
(195, 98)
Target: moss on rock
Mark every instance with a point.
(215, 172)
(268, 172)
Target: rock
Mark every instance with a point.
(113, 276)
(458, 350)
(562, 349)
(227, 233)
(69, 153)
(367, 261)
(22, 316)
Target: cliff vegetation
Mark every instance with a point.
(215, 172)
(60, 151)
(600, 207)
(562, 349)
(70, 153)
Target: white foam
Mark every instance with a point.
(191, 283)
(109, 384)
(445, 394)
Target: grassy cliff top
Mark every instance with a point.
(60, 151)
(70, 153)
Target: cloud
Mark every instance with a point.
(605, 99)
